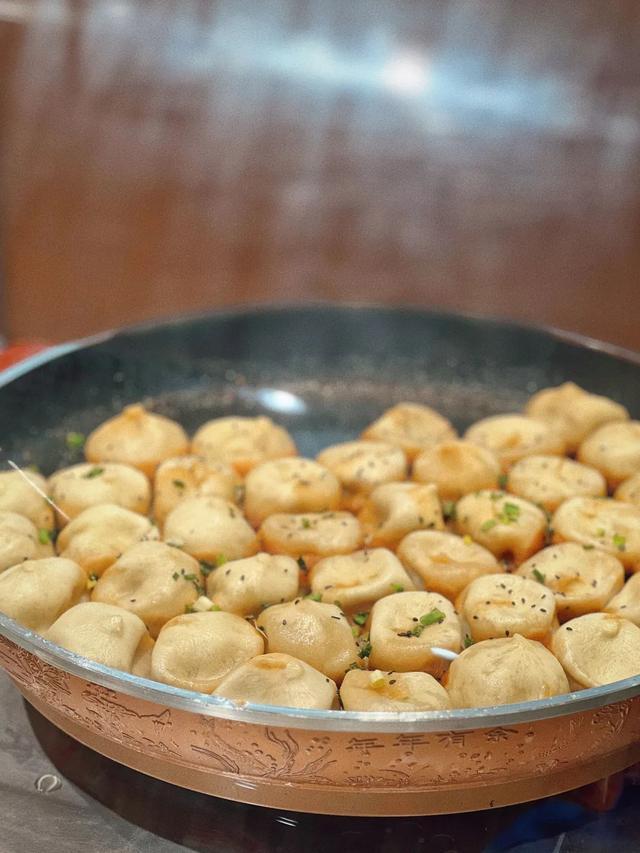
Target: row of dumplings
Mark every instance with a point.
(251, 573)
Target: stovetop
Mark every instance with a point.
(57, 796)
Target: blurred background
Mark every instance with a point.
(160, 157)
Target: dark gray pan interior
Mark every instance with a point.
(324, 372)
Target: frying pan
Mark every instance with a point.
(324, 373)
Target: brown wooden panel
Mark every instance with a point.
(162, 156)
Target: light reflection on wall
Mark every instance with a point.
(400, 72)
(406, 74)
(447, 91)
(447, 88)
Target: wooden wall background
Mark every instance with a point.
(162, 156)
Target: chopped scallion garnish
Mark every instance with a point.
(75, 440)
(620, 542)
(96, 471)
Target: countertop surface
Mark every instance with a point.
(64, 820)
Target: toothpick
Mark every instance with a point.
(447, 654)
(38, 489)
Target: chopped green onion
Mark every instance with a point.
(306, 524)
(360, 618)
(221, 559)
(376, 680)
(468, 641)
(96, 471)
(206, 568)
(44, 537)
(620, 542)
(314, 596)
(449, 510)
(510, 513)
(180, 485)
(365, 649)
(539, 576)
(502, 481)
(397, 587)
(75, 440)
(195, 580)
(488, 525)
(432, 617)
